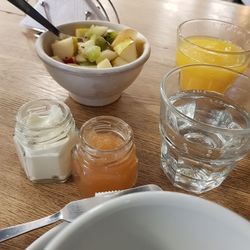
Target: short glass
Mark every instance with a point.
(105, 157)
(213, 42)
(203, 133)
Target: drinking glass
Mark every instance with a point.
(204, 133)
(213, 42)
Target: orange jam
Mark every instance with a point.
(105, 159)
(105, 141)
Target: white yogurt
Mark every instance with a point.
(44, 137)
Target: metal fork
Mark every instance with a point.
(71, 211)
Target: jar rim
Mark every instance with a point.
(41, 103)
(106, 120)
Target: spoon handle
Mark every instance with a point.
(30, 11)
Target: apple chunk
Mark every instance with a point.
(65, 48)
(104, 64)
(127, 50)
(118, 61)
(123, 35)
(133, 35)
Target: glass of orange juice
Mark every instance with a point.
(209, 41)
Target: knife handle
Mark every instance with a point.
(11, 232)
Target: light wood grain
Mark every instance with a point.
(24, 78)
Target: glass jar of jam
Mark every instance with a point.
(105, 158)
(44, 136)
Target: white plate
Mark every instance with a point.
(41, 242)
(155, 221)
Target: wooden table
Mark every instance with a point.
(24, 78)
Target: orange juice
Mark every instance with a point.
(213, 51)
(113, 168)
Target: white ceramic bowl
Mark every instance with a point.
(156, 221)
(90, 86)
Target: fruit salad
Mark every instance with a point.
(98, 46)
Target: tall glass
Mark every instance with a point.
(204, 133)
(214, 42)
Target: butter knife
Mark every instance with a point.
(71, 211)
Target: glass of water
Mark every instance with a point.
(204, 133)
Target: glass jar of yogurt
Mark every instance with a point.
(44, 136)
(105, 157)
